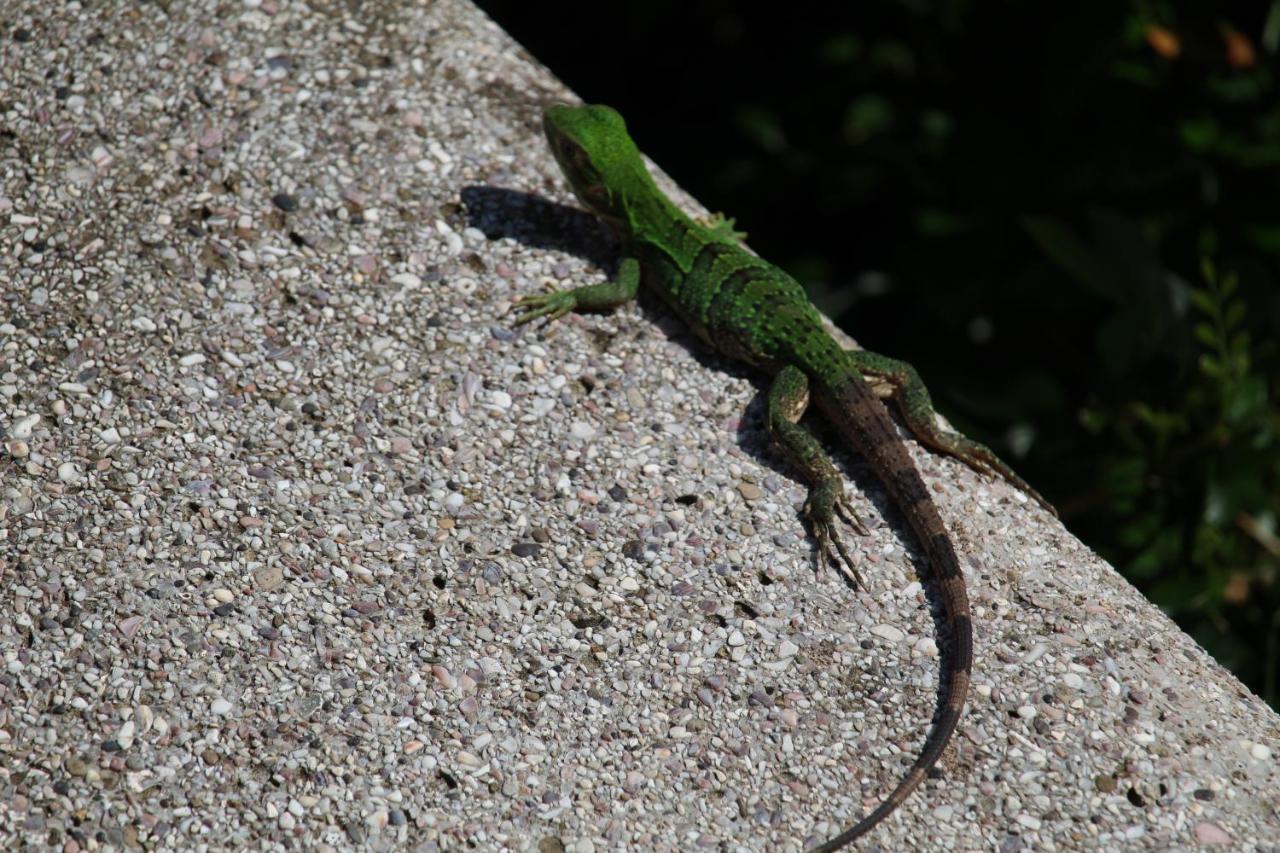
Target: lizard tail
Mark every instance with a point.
(849, 404)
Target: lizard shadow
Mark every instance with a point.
(539, 223)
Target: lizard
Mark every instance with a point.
(752, 311)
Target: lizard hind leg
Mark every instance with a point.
(903, 385)
(788, 398)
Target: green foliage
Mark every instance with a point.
(1193, 487)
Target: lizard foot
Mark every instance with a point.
(822, 508)
(981, 458)
(551, 305)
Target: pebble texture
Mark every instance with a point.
(302, 544)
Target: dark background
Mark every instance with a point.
(1063, 214)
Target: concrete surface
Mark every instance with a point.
(302, 545)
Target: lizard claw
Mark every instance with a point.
(822, 509)
(850, 517)
(832, 548)
(553, 306)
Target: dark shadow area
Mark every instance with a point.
(538, 223)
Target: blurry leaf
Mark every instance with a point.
(931, 222)
(843, 49)
(894, 56)
(1224, 499)
(936, 124)
(1247, 154)
(1164, 424)
(1202, 300)
(1199, 134)
(1210, 366)
(1134, 72)
(762, 127)
(1249, 401)
(1093, 420)
(867, 116)
(1271, 29)
(1126, 477)
(1235, 88)
(1234, 314)
(1265, 237)
(1206, 335)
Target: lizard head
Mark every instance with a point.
(597, 156)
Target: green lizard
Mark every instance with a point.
(752, 311)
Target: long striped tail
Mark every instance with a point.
(851, 406)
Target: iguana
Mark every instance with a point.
(752, 311)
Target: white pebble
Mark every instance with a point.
(1260, 752)
(889, 632)
(1027, 712)
(124, 737)
(143, 324)
(192, 359)
(925, 647)
(24, 427)
(220, 706)
(69, 472)
(110, 435)
(787, 649)
(736, 638)
(581, 430)
(1073, 681)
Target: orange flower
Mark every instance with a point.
(1163, 41)
(1240, 52)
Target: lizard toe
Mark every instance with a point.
(550, 305)
(832, 549)
(850, 516)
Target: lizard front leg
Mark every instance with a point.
(788, 398)
(903, 385)
(590, 297)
